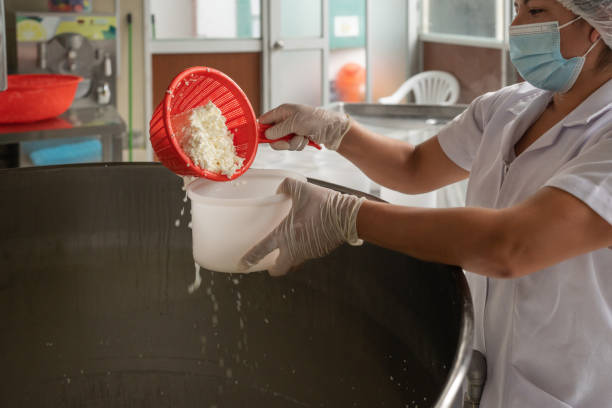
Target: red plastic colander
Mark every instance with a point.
(196, 87)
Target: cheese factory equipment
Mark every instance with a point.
(73, 44)
(91, 130)
(96, 312)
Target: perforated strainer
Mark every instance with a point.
(196, 87)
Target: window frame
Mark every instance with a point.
(502, 12)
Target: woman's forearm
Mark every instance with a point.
(468, 237)
(547, 228)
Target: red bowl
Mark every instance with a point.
(30, 98)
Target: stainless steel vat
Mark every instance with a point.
(94, 309)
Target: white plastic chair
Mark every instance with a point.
(429, 88)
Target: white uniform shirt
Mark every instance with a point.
(547, 336)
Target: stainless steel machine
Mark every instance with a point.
(75, 44)
(92, 129)
(95, 311)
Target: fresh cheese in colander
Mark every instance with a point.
(209, 143)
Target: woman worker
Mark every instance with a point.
(534, 238)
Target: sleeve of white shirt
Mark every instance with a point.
(588, 177)
(461, 138)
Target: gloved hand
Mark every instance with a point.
(317, 124)
(319, 221)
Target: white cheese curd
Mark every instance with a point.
(208, 142)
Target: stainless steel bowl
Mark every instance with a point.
(94, 309)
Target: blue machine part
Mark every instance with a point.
(46, 153)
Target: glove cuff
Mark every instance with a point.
(352, 237)
(340, 129)
(341, 211)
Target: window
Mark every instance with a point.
(471, 18)
(214, 19)
(228, 18)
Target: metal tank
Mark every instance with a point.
(95, 311)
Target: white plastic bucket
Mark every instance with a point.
(229, 218)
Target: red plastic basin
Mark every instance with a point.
(30, 98)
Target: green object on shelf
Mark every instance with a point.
(130, 101)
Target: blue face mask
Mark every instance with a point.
(535, 51)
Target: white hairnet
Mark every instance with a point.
(597, 13)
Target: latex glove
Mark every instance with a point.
(317, 124)
(319, 221)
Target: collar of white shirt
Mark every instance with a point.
(594, 106)
(533, 101)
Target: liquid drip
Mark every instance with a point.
(197, 282)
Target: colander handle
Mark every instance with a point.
(263, 139)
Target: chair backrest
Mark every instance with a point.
(429, 88)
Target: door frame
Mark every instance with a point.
(273, 25)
